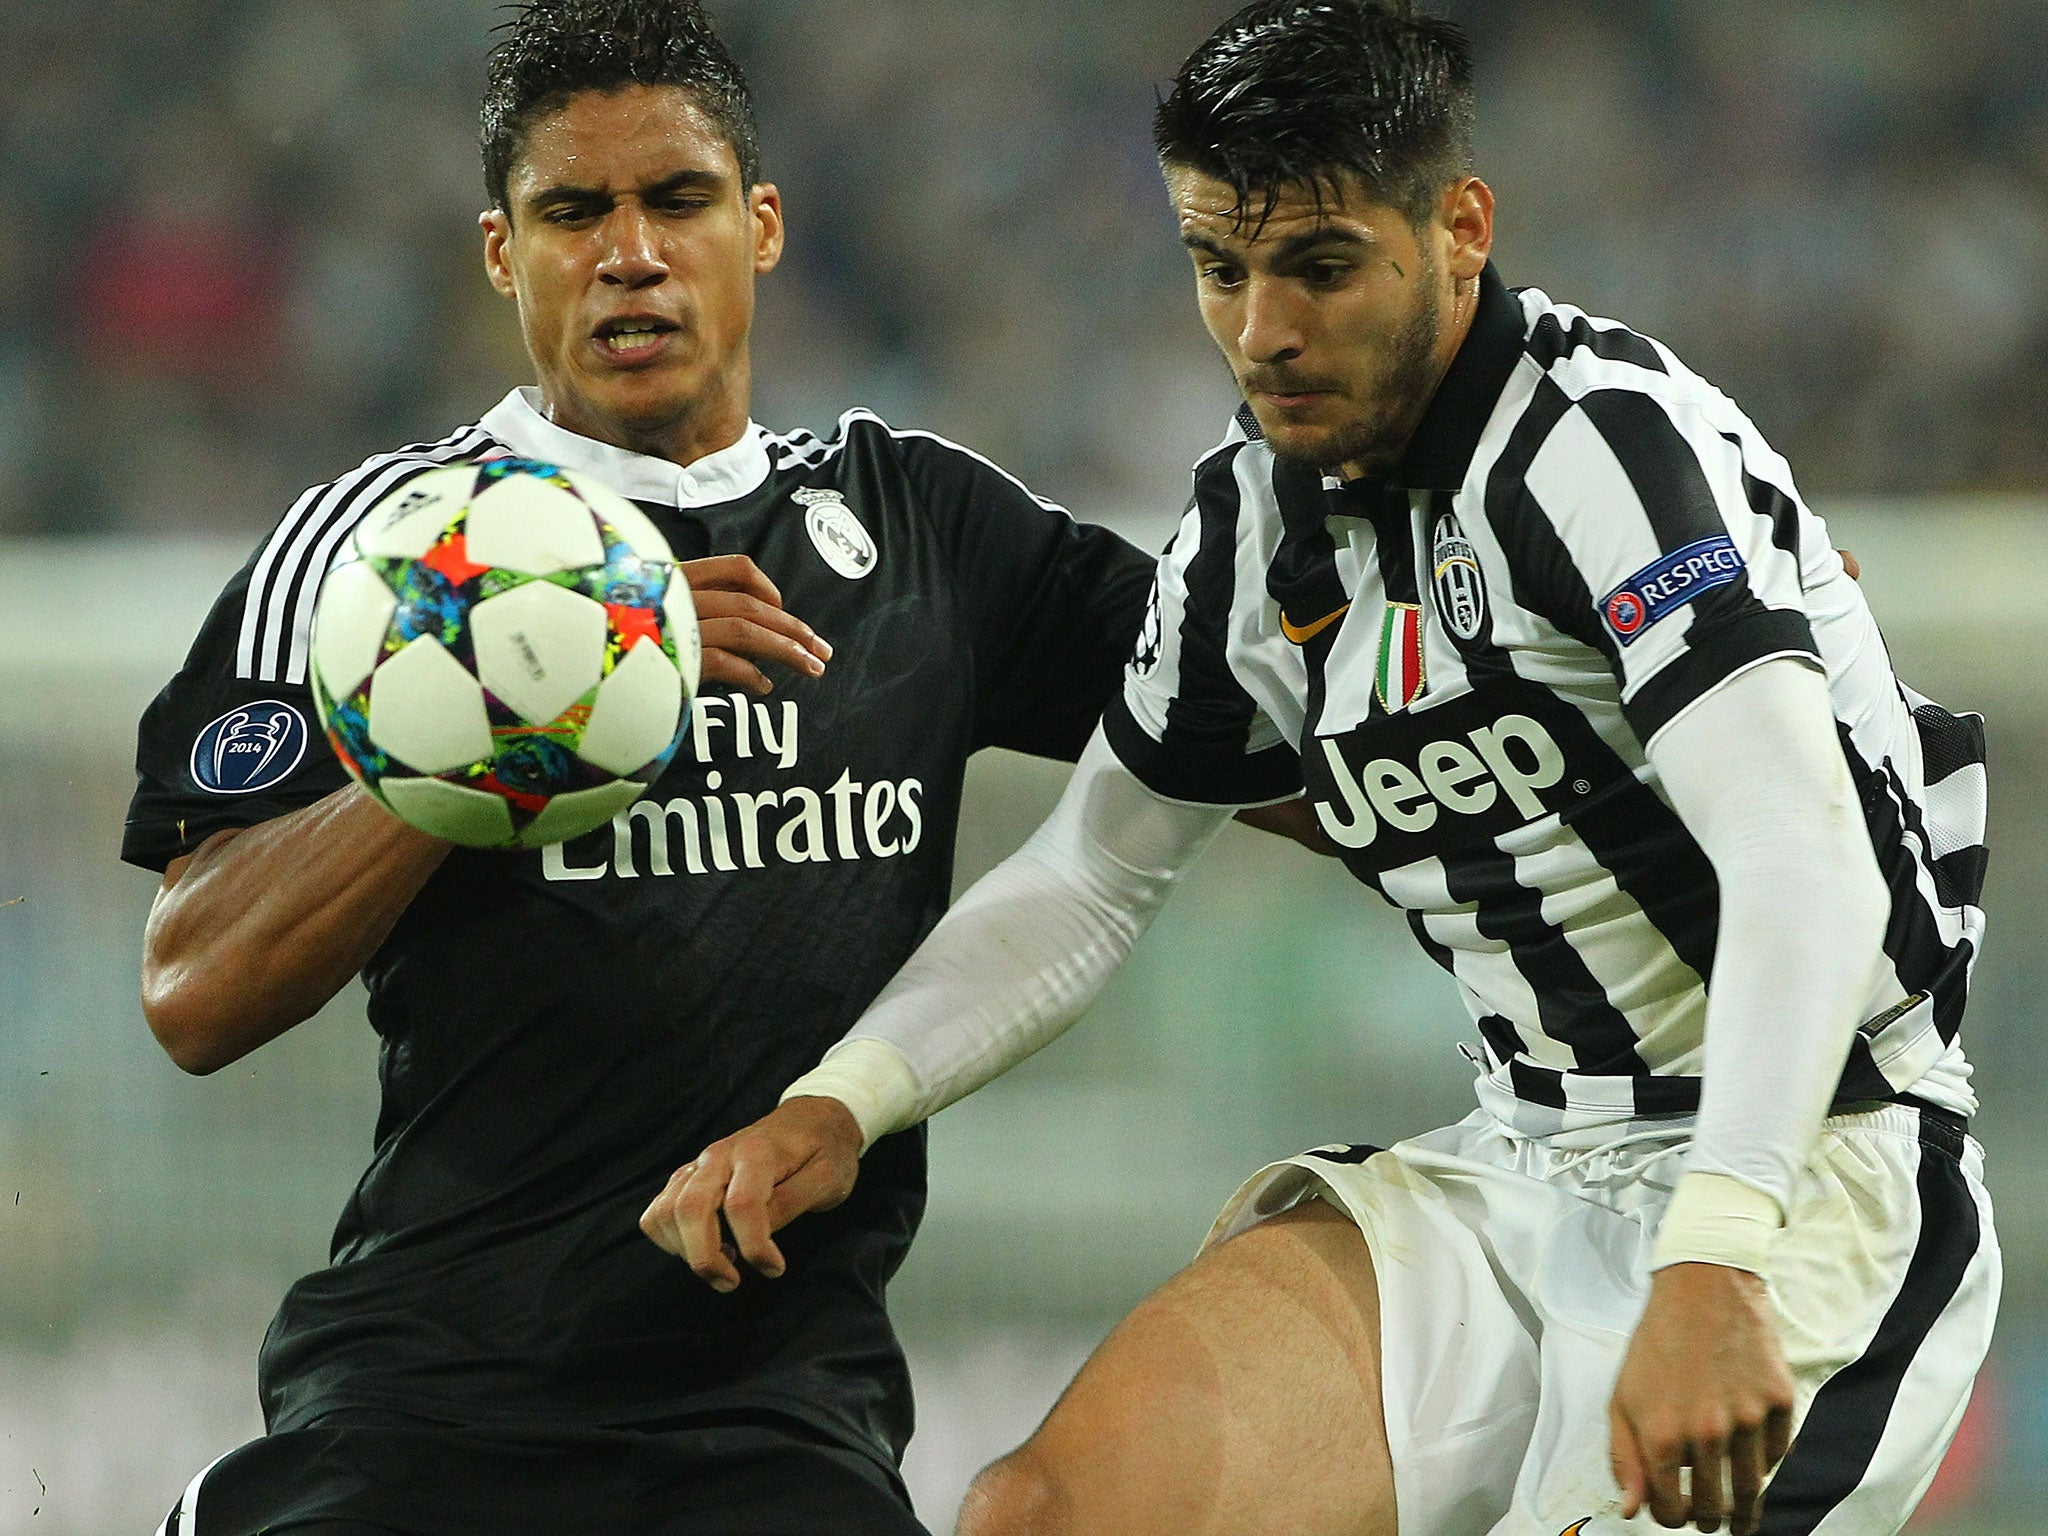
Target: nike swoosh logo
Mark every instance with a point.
(1576, 1527)
(1308, 632)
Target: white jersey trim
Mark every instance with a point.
(278, 590)
(803, 450)
(726, 475)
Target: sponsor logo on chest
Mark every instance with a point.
(1457, 775)
(1494, 772)
(839, 536)
(750, 802)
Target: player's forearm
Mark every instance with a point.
(257, 930)
(1022, 954)
(1758, 776)
(1017, 960)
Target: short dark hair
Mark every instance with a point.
(554, 49)
(1302, 92)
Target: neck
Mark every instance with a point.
(700, 427)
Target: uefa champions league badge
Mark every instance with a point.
(1667, 584)
(251, 747)
(840, 538)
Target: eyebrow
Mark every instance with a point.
(566, 192)
(1288, 249)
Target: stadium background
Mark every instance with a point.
(238, 253)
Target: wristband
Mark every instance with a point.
(871, 1078)
(1713, 1219)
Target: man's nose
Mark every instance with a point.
(632, 256)
(1269, 329)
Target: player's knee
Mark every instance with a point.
(1017, 1496)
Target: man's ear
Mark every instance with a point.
(1467, 214)
(497, 227)
(765, 203)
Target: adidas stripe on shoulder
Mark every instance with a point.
(277, 612)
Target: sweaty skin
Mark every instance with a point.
(631, 249)
(1337, 317)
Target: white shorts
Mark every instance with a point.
(1512, 1270)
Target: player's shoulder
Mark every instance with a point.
(1641, 401)
(944, 472)
(334, 506)
(1235, 486)
(1583, 353)
(284, 571)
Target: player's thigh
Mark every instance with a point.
(1243, 1396)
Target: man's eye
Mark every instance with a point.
(571, 213)
(1222, 277)
(1327, 274)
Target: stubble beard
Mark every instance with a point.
(1372, 443)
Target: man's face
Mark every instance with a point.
(1339, 319)
(631, 249)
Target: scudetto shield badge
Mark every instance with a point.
(1455, 576)
(846, 546)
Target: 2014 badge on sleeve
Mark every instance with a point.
(253, 746)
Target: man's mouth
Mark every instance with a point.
(630, 337)
(1285, 392)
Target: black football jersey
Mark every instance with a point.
(561, 1029)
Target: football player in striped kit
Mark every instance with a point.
(1572, 677)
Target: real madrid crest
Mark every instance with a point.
(845, 545)
(1457, 582)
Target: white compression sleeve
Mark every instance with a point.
(1756, 773)
(1022, 953)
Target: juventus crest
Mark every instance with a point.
(1455, 576)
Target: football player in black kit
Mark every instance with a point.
(495, 1345)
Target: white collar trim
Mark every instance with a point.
(518, 422)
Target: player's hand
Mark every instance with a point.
(1704, 1386)
(741, 619)
(804, 1156)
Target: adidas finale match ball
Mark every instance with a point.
(504, 653)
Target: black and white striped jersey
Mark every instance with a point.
(1463, 661)
(562, 1028)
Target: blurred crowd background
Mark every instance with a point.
(239, 253)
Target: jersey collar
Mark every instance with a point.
(1441, 450)
(518, 422)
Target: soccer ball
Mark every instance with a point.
(504, 653)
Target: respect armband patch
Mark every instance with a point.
(1667, 584)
